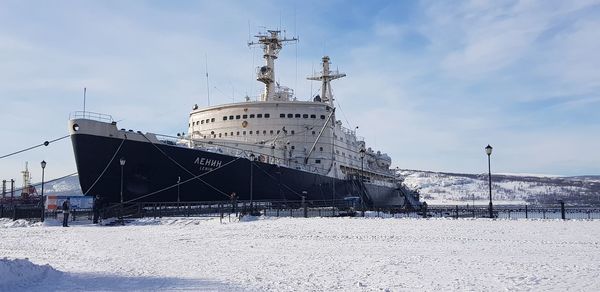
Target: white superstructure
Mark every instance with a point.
(280, 129)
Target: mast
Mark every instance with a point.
(26, 180)
(326, 77)
(271, 43)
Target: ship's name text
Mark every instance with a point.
(203, 161)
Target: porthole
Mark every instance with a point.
(75, 127)
(245, 124)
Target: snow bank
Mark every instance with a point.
(312, 254)
(19, 274)
(9, 223)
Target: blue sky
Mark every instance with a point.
(429, 82)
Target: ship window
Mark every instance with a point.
(207, 121)
(305, 116)
(252, 116)
(244, 116)
(267, 116)
(250, 132)
(320, 148)
(264, 132)
(277, 131)
(212, 132)
(322, 117)
(225, 134)
(314, 133)
(212, 120)
(337, 152)
(244, 133)
(202, 122)
(293, 132)
(282, 115)
(297, 115)
(219, 135)
(271, 132)
(290, 115)
(259, 116)
(313, 116)
(225, 118)
(231, 117)
(293, 147)
(238, 133)
(237, 117)
(318, 161)
(231, 134)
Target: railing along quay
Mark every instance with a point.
(301, 209)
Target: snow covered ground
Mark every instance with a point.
(315, 254)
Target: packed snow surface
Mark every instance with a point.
(297, 254)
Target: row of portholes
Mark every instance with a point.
(251, 132)
(251, 116)
(304, 116)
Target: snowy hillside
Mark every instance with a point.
(453, 188)
(68, 186)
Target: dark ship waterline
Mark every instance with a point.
(275, 149)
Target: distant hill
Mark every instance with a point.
(456, 188)
(460, 188)
(68, 186)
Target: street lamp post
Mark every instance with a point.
(251, 180)
(362, 170)
(362, 158)
(488, 151)
(43, 164)
(122, 163)
(178, 181)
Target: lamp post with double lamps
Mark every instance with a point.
(488, 151)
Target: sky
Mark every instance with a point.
(431, 83)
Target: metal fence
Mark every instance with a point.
(301, 209)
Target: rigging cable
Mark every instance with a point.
(107, 165)
(191, 173)
(46, 143)
(183, 182)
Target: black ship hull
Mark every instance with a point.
(152, 170)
